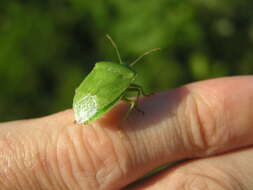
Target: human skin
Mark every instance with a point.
(209, 123)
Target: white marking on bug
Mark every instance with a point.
(85, 108)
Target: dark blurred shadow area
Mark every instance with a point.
(48, 46)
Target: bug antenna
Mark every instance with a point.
(140, 57)
(115, 47)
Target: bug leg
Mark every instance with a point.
(136, 86)
(132, 105)
(139, 110)
(137, 102)
(139, 92)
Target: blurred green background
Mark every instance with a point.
(48, 46)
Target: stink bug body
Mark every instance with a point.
(104, 86)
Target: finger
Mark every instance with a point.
(179, 124)
(28, 153)
(224, 172)
(197, 120)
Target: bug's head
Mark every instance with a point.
(136, 60)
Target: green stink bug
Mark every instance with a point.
(104, 86)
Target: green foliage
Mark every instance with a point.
(48, 47)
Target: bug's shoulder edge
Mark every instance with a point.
(114, 67)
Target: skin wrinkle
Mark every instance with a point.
(34, 170)
(155, 134)
(229, 171)
(104, 171)
(123, 168)
(207, 123)
(149, 133)
(147, 151)
(179, 134)
(24, 166)
(89, 151)
(248, 116)
(231, 181)
(59, 143)
(145, 134)
(221, 133)
(162, 143)
(58, 158)
(192, 174)
(158, 143)
(3, 185)
(135, 160)
(47, 156)
(197, 138)
(219, 175)
(20, 156)
(15, 176)
(144, 151)
(29, 160)
(232, 131)
(128, 160)
(100, 142)
(217, 133)
(130, 138)
(5, 143)
(116, 159)
(96, 133)
(129, 148)
(176, 125)
(183, 129)
(50, 158)
(73, 155)
(246, 176)
(129, 152)
(44, 160)
(9, 172)
(191, 184)
(251, 108)
(43, 171)
(76, 167)
(235, 183)
(131, 159)
(85, 146)
(206, 182)
(4, 161)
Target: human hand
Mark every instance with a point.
(209, 122)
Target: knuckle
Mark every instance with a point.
(88, 158)
(206, 126)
